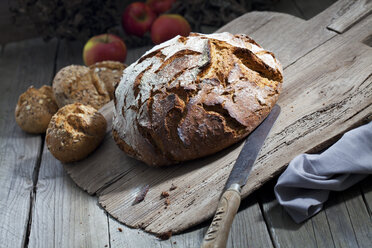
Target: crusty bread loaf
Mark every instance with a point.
(193, 96)
(35, 108)
(74, 132)
(94, 85)
(110, 73)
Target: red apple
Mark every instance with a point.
(137, 19)
(160, 6)
(104, 47)
(167, 26)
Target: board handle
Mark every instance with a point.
(218, 231)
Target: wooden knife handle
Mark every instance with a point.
(218, 231)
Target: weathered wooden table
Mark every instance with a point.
(40, 206)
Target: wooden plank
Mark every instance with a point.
(191, 238)
(189, 195)
(366, 186)
(287, 36)
(249, 227)
(339, 222)
(350, 15)
(284, 231)
(256, 20)
(344, 223)
(19, 152)
(64, 215)
(323, 234)
(123, 236)
(269, 29)
(359, 216)
(248, 221)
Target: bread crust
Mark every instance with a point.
(35, 108)
(194, 96)
(74, 132)
(76, 83)
(110, 73)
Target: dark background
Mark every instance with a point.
(81, 19)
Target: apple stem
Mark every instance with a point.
(106, 41)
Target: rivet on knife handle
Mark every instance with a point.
(218, 231)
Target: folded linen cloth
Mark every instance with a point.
(306, 183)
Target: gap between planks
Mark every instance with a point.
(19, 151)
(35, 174)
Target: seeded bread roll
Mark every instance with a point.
(35, 108)
(110, 73)
(74, 132)
(194, 96)
(77, 83)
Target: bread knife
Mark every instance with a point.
(219, 229)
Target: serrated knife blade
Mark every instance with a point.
(218, 231)
(252, 146)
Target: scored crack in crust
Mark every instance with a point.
(193, 96)
(74, 132)
(110, 73)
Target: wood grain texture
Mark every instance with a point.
(19, 152)
(351, 14)
(322, 231)
(64, 215)
(191, 238)
(366, 186)
(359, 216)
(285, 232)
(327, 90)
(339, 222)
(249, 227)
(279, 33)
(123, 236)
(314, 232)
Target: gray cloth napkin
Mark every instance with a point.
(305, 185)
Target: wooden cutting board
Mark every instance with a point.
(327, 90)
